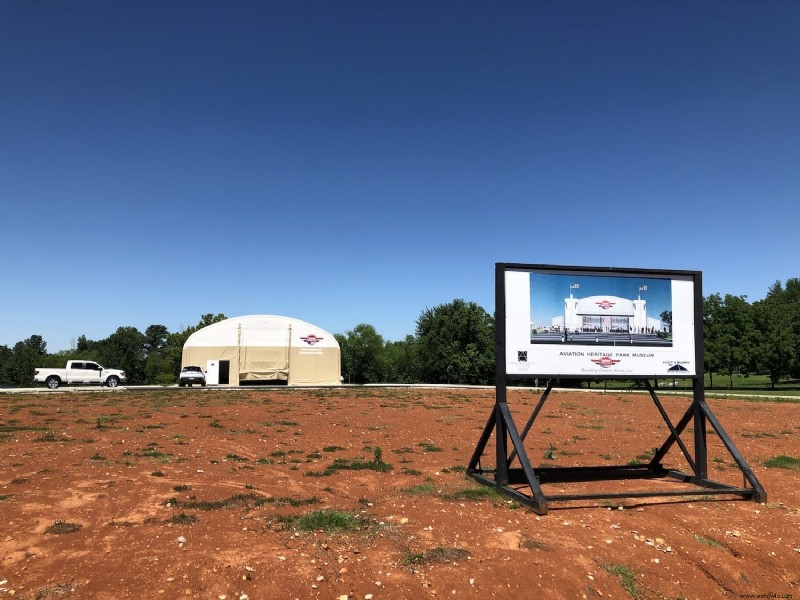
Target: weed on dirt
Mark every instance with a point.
(60, 527)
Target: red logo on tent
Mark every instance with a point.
(311, 339)
(605, 304)
(605, 361)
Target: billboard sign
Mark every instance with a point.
(592, 322)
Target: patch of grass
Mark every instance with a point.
(248, 500)
(4, 497)
(376, 464)
(326, 473)
(455, 469)
(182, 488)
(343, 464)
(47, 436)
(626, 577)
(152, 452)
(333, 448)
(56, 590)
(708, 541)
(407, 471)
(236, 458)
(436, 555)
(644, 457)
(60, 526)
(280, 423)
(413, 558)
(550, 453)
(429, 447)
(783, 462)
(13, 428)
(529, 544)
(422, 489)
(288, 501)
(328, 521)
(158, 473)
(183, 519)
(97, 456)
(479, 494)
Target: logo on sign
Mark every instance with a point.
(605, 361)
(311, 339)
(605, 304)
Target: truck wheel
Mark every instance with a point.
(112, 381)
(52, 382)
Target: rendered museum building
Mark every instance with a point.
(606, 314)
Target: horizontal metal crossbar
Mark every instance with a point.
(744, 492)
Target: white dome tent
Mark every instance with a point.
(267, 349)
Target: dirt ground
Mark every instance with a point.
(207, 493)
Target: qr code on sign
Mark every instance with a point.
(522, 355)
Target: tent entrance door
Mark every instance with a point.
(212, 372)
(224, 372)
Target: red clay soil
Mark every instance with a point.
(207, 493)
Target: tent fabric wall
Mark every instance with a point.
(268, 348)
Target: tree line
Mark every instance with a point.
(452, 343)
(152, 357)
(758, 338)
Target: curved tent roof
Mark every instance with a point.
(262, 330)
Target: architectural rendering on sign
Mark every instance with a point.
(609, 310)
(264, 349)
(593, 322)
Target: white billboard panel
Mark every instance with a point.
(564, 321)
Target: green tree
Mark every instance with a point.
(778, 346)
(124, 349)
(155, 338)
(24, 358)
(666, 317)
(730, 335)
(85, 347)
(456, 344)
(780, 321)
(5, 357)
(362, 351)
(401, 361)
(156, 368)
(712, 325)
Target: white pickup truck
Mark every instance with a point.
(79, 371)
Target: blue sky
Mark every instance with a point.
(358, 162)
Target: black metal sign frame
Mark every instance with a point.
(513, 473)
